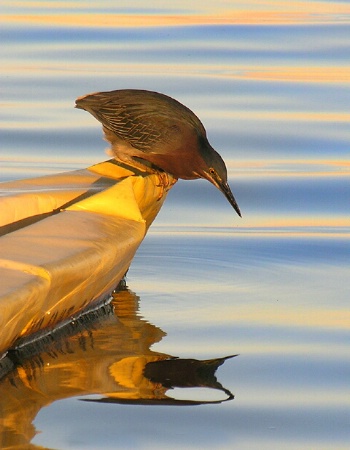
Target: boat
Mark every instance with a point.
(66, 241)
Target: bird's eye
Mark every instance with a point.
(211, 171)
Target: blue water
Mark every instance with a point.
(270, 81)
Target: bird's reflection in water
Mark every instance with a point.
(104, 352)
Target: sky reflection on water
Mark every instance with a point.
(270, 82)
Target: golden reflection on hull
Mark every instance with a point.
(106, 353)
(50, 270)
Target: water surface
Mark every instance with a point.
(271, 84)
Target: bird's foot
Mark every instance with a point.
(145, 167)
(165, 182)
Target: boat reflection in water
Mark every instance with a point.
(104, 352)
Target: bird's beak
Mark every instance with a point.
(225, 189)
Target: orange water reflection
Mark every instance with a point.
(290, 167)
(107, 352)
(266, 13)
(300, 74)
(310, 74)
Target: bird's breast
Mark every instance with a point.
(180, 164)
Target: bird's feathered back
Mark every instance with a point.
(145, 119)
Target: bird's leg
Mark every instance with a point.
(143, 165)
(132, 163)
(148, 168)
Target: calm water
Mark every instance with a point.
(271, 82)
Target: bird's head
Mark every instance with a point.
(214, 170)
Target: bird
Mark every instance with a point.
(154, 132)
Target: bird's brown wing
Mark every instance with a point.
(143, 131)
(146, 120)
